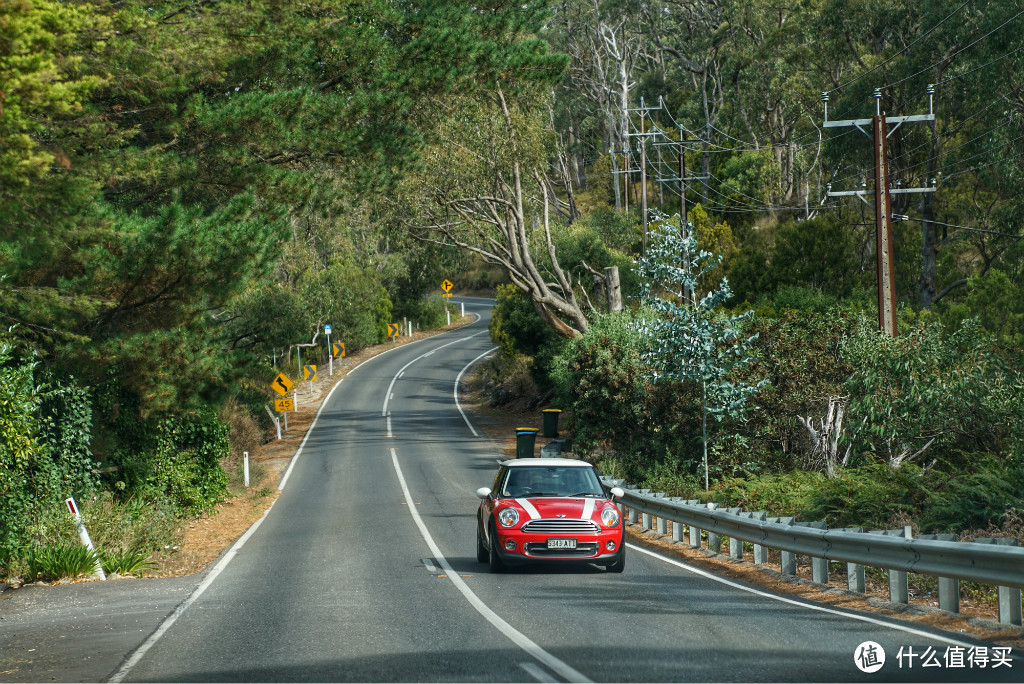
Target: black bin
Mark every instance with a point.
(551, 422)
(526, 437)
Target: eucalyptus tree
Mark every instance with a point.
(691, 341)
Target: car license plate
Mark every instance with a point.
(561, 543)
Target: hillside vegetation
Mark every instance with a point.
(190, 191)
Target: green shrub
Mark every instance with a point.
(19, 446)
(929, 392)
(129, 562)
(517, 328)
(177, 459)
(602, 381)
(44, 447)
(777, 493)
(428, 312)
(974, 499)
(57, 561)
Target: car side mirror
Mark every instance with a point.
(483, 492)
(617, 493)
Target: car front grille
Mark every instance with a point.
(560, 526)
(540, 549)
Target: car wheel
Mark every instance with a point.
(620, 562)
(481, 553)
(493, 559)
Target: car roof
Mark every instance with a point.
(569, 462)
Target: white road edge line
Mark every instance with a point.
(517, 637)
(783, 599)
(538, 673)
(389, 395)
(137, 655)
(457, 379)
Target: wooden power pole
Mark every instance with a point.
(883, 206)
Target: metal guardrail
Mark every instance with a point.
(986, 562)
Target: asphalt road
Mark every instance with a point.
(365, 570)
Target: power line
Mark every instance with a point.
(915, 42)
(957, 53)
(981, 166)
(967, 73)
(904, 217)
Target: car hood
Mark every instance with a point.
(558, 507)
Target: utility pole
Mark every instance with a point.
(682, 179)
(643, 135)
(883, 206)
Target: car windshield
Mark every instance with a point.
(551, 481)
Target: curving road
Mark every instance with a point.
(364, 570)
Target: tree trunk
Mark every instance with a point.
(611, 277)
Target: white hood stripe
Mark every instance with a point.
(588, 509)
(528, 507)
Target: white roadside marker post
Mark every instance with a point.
(330, 352)
(277, 421)
(245, 467)
(448, 314)
(84, 536)
(462, 305)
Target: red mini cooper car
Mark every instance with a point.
(549, 509)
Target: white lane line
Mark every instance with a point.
(538, 672)
(389, 427)
(457, 379)
(783, 599)
(323, 404)
(518, 638)
(136, 656)
(389, 394)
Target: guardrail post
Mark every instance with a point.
(634, 515)
(760, 552)
(678, 529)
(788, 564)
(819, 566)
(735, 545)
(854, 571)
(898, 589)
(1009, 597)
(714, 541)
(646, 518)
(949, 587)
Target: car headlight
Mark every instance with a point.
(508, 517)
(610, 517)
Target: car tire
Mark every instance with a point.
(493, 559)
(482, 556)
(620, 562)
